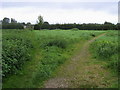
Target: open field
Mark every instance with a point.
(33, 59)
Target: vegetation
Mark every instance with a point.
(106, 48)
(40, 21)
(25, 64)
(13, 24)
(30, 57)
(16, 50)
(90, 26)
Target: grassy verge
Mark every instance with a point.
(105, 49)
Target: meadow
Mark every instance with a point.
(31, 57)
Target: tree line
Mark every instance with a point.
(41, 24)
(11, 24)
(90, 26)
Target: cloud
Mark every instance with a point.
(61, 12)
(58, 15)
(110, 7)
(59, 0)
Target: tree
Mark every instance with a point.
(23, 23)
(107, 23)
(118, 26)
(6, 20)
(28, 23)
(13, 20)
(45, 25)
(40, 21)
(29, 26)
(108, 26)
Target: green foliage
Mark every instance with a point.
(53, 58)
(89, 26)
(12, 26)
(53, 46)
(16, 50)
(40, 21)
(113, 64)
(106, 48)
(62, 43)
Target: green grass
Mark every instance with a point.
(46, 51)
(106, 49)
(81, 71)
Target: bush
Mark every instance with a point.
(16, 50)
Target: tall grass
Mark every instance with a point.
(106, 48)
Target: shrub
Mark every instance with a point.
(16, 50)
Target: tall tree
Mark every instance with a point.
(40, 21)
(28, 23)
(13, 20)
(6, 20)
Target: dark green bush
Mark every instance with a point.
(15, 51)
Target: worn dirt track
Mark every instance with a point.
(81, 71)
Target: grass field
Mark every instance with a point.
(32, 57)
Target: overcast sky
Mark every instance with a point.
(61, 11)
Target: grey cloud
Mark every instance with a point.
(110, 7)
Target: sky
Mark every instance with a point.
(60, 11)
